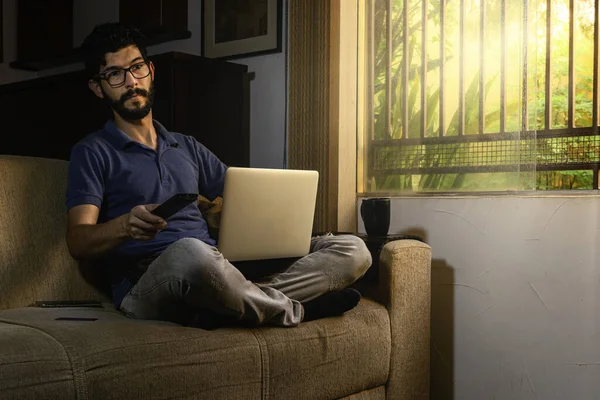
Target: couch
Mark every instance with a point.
(378, 350)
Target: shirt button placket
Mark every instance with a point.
(162, 170)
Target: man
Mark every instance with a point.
(172, 270)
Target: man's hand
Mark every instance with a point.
(141, 224)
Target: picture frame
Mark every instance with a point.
(241, 28)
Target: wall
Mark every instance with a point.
(515, 294)
(269, 106)
(268, 93)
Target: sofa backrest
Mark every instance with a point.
(34, 261)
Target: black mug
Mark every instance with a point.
(375, 213)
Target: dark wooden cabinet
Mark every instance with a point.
(44, 29)
(205, 98)
(155, 15)
(208, 99)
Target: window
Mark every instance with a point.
(478, 95)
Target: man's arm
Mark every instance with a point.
(88, 239)
(212, 173)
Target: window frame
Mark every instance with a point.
(365, 100)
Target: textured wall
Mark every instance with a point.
(515, 294)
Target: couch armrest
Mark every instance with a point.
(404, 287)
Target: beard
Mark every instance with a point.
(136, 111)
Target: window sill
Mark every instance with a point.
(525, 194)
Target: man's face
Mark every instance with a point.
(133, 98)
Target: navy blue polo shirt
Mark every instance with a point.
(115, 173)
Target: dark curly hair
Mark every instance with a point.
(109, 38)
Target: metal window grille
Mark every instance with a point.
(547, 149)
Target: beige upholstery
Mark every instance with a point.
(404, 288)
(34, 261)
(378, 350)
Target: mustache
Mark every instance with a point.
(132, 92)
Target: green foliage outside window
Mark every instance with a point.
(518, 155)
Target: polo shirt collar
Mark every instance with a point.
(120, 140)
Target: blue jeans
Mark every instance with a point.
(192, 277)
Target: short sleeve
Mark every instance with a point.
(85, 182)
(211, 174)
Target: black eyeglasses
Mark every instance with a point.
(116, 76)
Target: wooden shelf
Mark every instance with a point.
(39, 65)
(153, 37)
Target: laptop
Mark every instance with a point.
(267, 213)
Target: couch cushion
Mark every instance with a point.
(115, 357)
(328, 358)
(33, 365)
(372, 394)
(119, 358)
